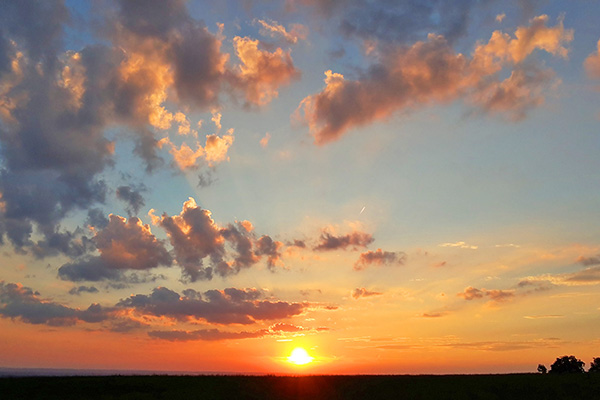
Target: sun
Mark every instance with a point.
(299, 356)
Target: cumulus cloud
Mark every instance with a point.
(471, 293)
(196, 238)
(379, 258)
(431, 71)
(56, 106)
(123, 245)
(362, 292)
(262, 72)
(331, 241)
(228, 306)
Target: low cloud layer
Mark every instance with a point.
(228, 306)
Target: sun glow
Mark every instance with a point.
(299, 356)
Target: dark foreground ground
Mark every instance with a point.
(514, 386)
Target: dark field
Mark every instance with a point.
(514, 386)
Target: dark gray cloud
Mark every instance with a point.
(266, 246)
(229, 306)
(77, 290)
(92, 269)
(354, 240)
(379, 258)
(132, 196)
(17, 301)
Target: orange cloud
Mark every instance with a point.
(592, 63)
(431, 71)
(262, 72)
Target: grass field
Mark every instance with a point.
(512, 386)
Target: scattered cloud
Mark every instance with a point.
(362, 292)
(329, 241)
(275, 30)
(77, 290)
(431, 71)
(461, 245)
(379, 258)
(471, 293)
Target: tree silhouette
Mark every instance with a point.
(567, 364)
(542, 369)
(595, 365)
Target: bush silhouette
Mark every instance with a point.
(595, 365)
(542, 369)
(566, 365)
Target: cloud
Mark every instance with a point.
(592, 64)
(262, 72)
(17, 301)
(275, 30)
(228, 306)
(587, 261)
(354, 239)
(132, 197)
(214, 151)
(461, 245)
(123, 245)
(393, 20)
(81, 289)
(362, 292)
(270, 248)
(264, 142)
(471, 293)
(587, 276)
(379, 258)
(194, 236)
(431, 71)
(56, 105)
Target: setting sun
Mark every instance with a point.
(299, 356)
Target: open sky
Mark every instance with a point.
(394, 186)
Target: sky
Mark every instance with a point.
(393, 186)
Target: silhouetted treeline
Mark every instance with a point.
(569, 365)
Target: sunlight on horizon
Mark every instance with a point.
(299, 356)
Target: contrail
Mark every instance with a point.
(363, 209)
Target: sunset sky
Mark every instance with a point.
(394, 186)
